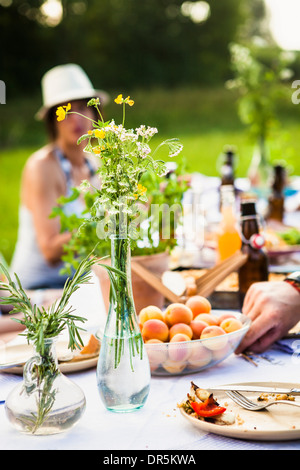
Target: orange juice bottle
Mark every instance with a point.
(228, 237)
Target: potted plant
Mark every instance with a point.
(260, 87)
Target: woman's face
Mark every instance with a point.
(74, 126)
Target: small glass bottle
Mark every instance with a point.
(256, 267)
(228, 236)
(276, 198)
(46, 401)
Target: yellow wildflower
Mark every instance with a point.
(90, 132)
(129, 101)
(61, 111)
(119, 99)
(141, 191)
(97, 150)
(99, 133)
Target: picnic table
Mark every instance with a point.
(159, 427)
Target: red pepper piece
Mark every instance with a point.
(208, 408)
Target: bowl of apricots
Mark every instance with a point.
(189, 337)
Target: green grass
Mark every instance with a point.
(203, 119)
(11, 164)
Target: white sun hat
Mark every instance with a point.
(65, 83)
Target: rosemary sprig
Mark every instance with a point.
(41, 323)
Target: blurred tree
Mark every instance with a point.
(120, 43)
(256, 25)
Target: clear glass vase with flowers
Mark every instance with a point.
(124, 156)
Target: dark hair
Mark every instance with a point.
(51, 120)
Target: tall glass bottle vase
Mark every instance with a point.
(123, 371)
(46, 401)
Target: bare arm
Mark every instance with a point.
(40, 190)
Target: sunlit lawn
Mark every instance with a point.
(204, 121)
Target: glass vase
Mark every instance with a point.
(46, 401)
(123, 371)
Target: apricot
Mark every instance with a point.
(178, 313)
(178, 352)
(221, 353)
(231, 324)
(154, 341)
(198, 304)
(173, 367)
(150, 312)
(224, 316)
(197, 327)
(156, 355)
(181, 328)
(199, 356)
(215, 337)
(207, 318)
(155, 329)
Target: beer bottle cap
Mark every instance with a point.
(248, 208)
(257, 241)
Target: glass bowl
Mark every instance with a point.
(186, 357)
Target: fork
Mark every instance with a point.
(244, 402)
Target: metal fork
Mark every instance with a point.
(244, 402)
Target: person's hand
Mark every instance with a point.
(274, 308)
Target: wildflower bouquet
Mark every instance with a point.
(124, 157)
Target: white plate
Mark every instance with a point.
(277, 423)
(13, 358)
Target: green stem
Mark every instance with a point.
(123, 122)
(82, 115)
(126, 328)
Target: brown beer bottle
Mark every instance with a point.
(256, 267)
(276, 199)
(227, 168)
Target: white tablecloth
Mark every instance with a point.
(158, 426)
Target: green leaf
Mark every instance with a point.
(83, 137)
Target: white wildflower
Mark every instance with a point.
(84, 185)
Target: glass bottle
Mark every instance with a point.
(228, 236)
(123, 371)
(46, 401)
(256, 267)
(227, 168)
(276, 198)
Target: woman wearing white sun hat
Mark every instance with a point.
(50, 173)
